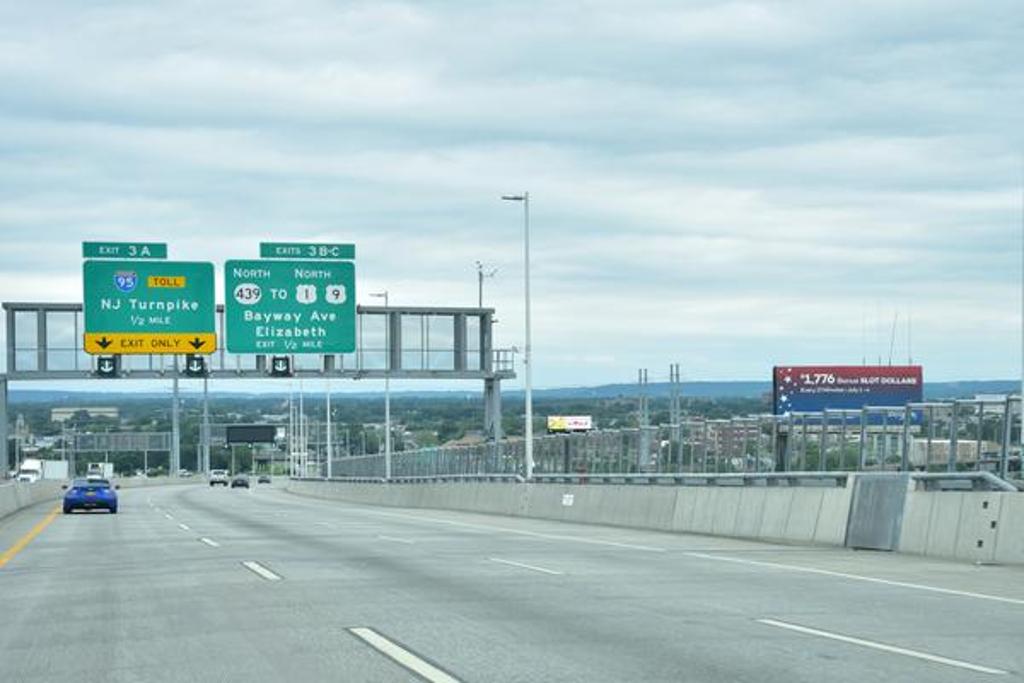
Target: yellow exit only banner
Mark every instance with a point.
(150, 342)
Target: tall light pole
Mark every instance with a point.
(527, 361)
(387, 384)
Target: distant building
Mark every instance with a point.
(65, 413)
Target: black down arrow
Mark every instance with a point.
(197, 343)
(104, 342)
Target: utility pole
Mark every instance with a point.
(387, 385)
(480, 275)
(205, 465)
(675, 414)
(329, 427)
(302, 431)
(644, 418)
(175, 426)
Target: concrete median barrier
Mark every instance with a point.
(974, 526)
(17, 495)
(787, 514)
(977, 526)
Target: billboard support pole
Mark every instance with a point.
(842, 441)
(905, 455)
(823, 443)
(862, 454)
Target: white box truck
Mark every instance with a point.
(34, 469)
(102, 470)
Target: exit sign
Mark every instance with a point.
(289, 307)
(131, 250)
(140, 307)
(308, 250)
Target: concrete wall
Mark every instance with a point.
(978, 526)
(137, 482)
(17, 495)
(810, 515)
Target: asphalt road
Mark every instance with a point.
(189, 583)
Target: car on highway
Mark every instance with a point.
(263, 479)
(218, 477)
(240, 481)
(91, 494)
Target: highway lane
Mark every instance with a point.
(162, 589)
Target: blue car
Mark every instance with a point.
(90, 494)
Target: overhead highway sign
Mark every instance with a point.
(148, 307)
(287, 307)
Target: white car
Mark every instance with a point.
(219, 477)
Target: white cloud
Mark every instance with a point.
(723, 184)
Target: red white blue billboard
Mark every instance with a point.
(813, 388)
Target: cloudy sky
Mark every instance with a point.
(727, 185)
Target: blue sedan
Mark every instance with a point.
(90, 494)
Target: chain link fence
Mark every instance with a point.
(954, 436)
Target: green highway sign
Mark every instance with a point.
(162, 307)
(133, 250)
(306, 250)
(285, 307)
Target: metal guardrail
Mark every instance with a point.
(510, 478)
(837, 479)
(958, 481)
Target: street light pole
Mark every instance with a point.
(527, 359)
(387, 384)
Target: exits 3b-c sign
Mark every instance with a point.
(290, 307)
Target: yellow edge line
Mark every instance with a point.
(27, 538)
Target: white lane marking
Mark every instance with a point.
(857, 577)
(183, 527)
(521, 532)
(395, 539)
(210, 542)
(526, 566)
(325, 524)
(885, 648)
(399, 654)
(260, 570)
